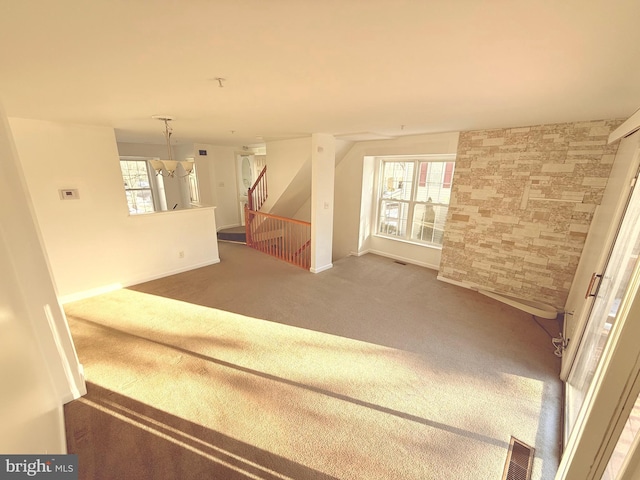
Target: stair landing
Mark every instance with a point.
(233, 234)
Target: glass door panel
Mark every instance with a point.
(625, 442)
(613, 285)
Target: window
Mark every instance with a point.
(194, 192)
(413, 197)
(137, 186)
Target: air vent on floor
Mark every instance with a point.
(519, 461)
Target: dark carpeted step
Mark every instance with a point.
(232, 235)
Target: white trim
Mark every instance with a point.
(608, 400)
(404, 259)
(628, 127)
(72, 297)
(538, 309)
(600, 240)
(412, 202)
(406, 240)
(73, 370)
(321, 269)
(455, 282)
(192, 208)
(630, 469)
(535, 308)
(62, 427)
(395, 257)
(117, 286)
(137, 157)
(429, 157)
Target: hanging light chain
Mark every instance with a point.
(167, 133)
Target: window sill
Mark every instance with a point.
(191, 208)
(410, 242)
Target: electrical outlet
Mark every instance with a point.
(181, 254)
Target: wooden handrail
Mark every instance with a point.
(285, 219)
(258, 193)
(284, 238)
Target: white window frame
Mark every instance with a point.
(153, 187)
(194, 189)
(412, 202)
(610, 398)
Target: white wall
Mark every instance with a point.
(285, 158)
(296, 194)
(296, 201)
(323, 160)
(347, 201)
(92, 243)
(39, 370)
(218, 183)
(304, 212)
(143, 150)
(354, 202)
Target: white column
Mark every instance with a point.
(323, 160)
(39, 370)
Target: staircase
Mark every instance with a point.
(281, 237)
(233, 234)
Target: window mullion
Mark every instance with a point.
(409, 231)
(412, 198)
(423, 218)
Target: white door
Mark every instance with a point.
(601, 278)
(246, 176)
(613, 285)
(598, 245)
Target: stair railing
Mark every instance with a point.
(258, 193)
(284, 238)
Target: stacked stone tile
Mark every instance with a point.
(521, 205)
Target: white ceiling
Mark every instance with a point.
(362, 68)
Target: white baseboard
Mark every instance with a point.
(129, 282)
(148, 278)
(321, 269)
(455, 282)
(404, 259)
(92, 292)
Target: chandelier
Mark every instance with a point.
(169, 166)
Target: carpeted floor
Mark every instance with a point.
(253, 368)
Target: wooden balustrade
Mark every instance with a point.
(280, 237)
(258, 193)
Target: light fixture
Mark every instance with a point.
(170, 165)
(188, 167)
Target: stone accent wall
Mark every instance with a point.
(521, 205)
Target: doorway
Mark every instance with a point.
(598, 369)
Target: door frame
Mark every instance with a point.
(605, 224)
(616, 384)
(611, 396)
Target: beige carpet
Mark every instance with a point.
(371, 370)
